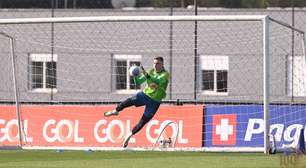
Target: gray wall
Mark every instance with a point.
(84, 53)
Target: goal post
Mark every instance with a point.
(85, 60)
(15, 86)
(266, 84)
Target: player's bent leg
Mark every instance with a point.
(126, 103)
(143, 121)
(127, 139)
(131, 101)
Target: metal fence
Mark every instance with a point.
(293, 15)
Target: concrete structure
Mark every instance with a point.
(85, 54)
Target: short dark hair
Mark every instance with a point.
(159, 59)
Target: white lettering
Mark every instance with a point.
(278, 133)
(296, 129)
(9, 131)
(110, 132)
(255, 126)
(57, 130)
(156, 131)
(96, 131)
(290, 134)
(181, 139)
(107, 132)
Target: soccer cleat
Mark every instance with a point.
(126, 141)
(110, 113)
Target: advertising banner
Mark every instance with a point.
(85, 126)
(243, 125)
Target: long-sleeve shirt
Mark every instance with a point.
(156, 84)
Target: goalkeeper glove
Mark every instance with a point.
(145, 72)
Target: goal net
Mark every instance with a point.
(232, 77)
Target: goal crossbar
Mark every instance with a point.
(133, 18)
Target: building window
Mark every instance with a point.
(42, 73)
(124, 83)
(214, 75)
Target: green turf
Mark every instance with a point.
(132, 159)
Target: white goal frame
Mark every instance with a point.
(265, 48)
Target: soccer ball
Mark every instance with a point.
(134, 70)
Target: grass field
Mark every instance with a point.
(133, 159)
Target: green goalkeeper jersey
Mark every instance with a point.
(157, 83)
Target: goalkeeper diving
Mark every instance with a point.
(157, 80)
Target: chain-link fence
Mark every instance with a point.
(60, 40)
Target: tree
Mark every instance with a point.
(209, 3)
(253, 4)
(286, 3)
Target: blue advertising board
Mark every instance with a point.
(243, 125)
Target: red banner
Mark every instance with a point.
(85, 126)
